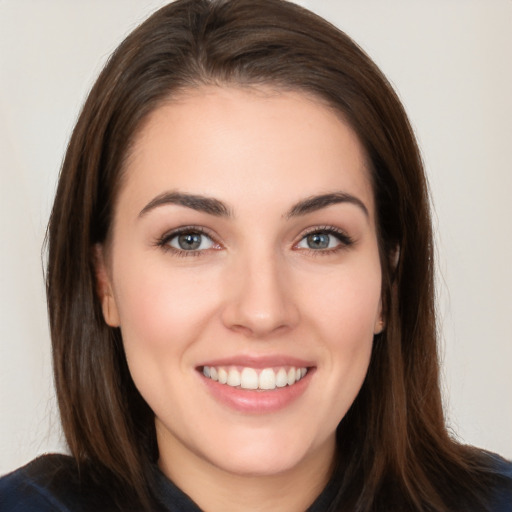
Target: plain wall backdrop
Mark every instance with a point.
(450, 61)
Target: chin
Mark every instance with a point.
(260, 465)
(266, 453)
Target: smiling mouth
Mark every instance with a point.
(255, 379)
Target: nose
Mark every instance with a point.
(260, 298)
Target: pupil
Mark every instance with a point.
(318, 241)
(189, 241)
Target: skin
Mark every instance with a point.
(254, 288)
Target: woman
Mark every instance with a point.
(240, 283)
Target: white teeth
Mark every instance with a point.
(233, 378)
(267, 379)
(222, 376)
(248, 378)
(281, 378)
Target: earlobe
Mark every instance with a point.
(110, 314)
(104, 288)
(379, 323)
(395, 257)
(379, 326)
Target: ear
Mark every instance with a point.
(394, 259)
(379, 322)
(104, 287)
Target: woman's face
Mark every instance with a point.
(243, 271)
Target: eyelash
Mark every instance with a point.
(345, 240)
(163, 241)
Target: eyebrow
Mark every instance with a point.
(217, 208)
(314, 203)
(195, 202)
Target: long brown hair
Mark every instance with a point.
(394, 450)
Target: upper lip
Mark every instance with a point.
(260, 361)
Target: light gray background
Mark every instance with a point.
(450, 61)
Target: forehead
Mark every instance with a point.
(230, 142)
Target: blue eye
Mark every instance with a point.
(189, 241)
(324, 240)
(319, 241)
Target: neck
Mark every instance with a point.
(216, 490)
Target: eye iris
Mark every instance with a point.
(189, 241)
(318, 241)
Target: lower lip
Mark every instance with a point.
(257, 401)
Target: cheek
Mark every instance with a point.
(347, 303)
(162, 310)
(344, 311)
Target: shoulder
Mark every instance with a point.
(501, 496)
(30, 487)
(50, 483)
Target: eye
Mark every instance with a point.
(187, 241)
(191, 241)
(318, 241)
(325, 239)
